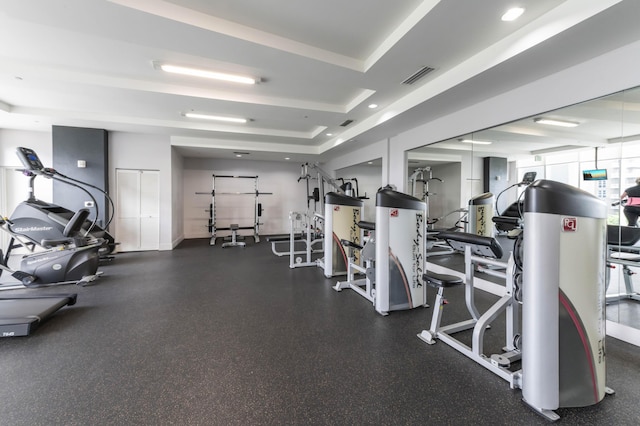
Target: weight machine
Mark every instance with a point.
(213, 229)
(302, 229)
(392, 253)
(317, 194)
(556, 272)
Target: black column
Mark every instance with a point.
(73, 144)
(495, 175)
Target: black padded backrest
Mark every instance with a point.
(75, 223)
(622, 235)
(480, 245)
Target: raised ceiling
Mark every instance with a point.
(89, 63)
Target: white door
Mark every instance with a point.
(138, 207)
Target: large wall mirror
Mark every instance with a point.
(594, 146)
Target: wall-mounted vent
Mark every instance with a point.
(346, 123)
(418, 75)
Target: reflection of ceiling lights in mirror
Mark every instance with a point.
(475, 142)
(553, 122)
(195, 72)
(215, 117)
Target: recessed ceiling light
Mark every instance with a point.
(195, 72)
(513, 14)
(370, 162)
(372, 106)
(287, 158)
(215, 117)
(554, 122)
(475, 142)
(239, 155)
(329, 134)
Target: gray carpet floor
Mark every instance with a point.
(208, 336)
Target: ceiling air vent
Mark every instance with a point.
(418, 75)
(346, 123)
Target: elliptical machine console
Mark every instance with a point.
(30, 159)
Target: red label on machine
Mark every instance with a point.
(569, 224)
(336, 208)
(394, 213)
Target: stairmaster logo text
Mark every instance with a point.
(33, 229)
(418, 243)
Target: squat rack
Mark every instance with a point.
(212, 208)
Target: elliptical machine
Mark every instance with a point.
(70, 255)
(35, 220)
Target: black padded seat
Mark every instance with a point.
(480, 245)
(434, 279)
(369, 226)
(622, 235)
(234, 227)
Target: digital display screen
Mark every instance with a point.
(595, 174)
(29, 159)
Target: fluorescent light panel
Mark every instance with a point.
(476, 142)
(554, 122)
(215, 117)
(195, 72)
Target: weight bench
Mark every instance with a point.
(234, 237)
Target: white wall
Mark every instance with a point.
(146, 152)
(279, 178)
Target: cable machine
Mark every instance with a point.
(235, 227)
(318, 193)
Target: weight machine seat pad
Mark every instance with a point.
(233, 227)
(473, 240)
(369, 226)
(622, 235)
(434, 279)
(351, 244)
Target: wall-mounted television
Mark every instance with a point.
(594, 174)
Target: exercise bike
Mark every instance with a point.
(71, 256)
